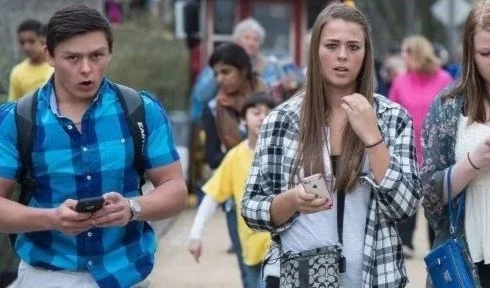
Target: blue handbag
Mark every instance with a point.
(445, 264)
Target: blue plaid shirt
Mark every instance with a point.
(68, 164)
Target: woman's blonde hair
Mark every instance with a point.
(421, 51)
(316, 107)
(472, 86)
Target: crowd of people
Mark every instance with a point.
(372, 145)
(320, 176)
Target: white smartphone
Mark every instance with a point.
(315, 184)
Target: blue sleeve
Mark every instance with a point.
(202, 92)
(159, 147)
(9, 156)
(271, 74)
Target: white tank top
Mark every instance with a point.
(477, 198)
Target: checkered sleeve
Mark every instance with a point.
(399, 193)
(269, 175)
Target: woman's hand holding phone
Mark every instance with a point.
(296, 200)
(310, 201)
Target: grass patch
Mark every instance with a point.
(145, 59)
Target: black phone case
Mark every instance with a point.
(89, 205)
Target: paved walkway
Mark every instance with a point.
(175, 268)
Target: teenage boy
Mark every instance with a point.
(83, 147)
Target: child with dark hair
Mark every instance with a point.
(229, 181)
(34, 71)
(221, 117)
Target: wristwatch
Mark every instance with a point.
(135, 208)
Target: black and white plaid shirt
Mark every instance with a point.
(396, 198)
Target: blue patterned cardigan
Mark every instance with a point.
(438, 144)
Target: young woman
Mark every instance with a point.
(457, 134)
(337, 123)
(221, 118)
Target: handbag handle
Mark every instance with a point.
(452, 220)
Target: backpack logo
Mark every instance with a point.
(447, 277)
(142, 131)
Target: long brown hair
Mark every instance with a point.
(316, 106)
(472, 85)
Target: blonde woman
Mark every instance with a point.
(363, 142)
(418, 87)
(415, 90)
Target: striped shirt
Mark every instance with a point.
(397, 197)
(68, 164)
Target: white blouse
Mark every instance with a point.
(477, 201)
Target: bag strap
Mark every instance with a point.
(134, 112)
(340, 215)
(25, 115)
(340, 202)
(453, 219)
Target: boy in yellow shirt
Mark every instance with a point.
(229, 181)
(34, 71)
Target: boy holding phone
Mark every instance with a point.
(82, 149)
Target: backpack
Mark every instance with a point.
(25, 115)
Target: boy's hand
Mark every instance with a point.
(67, 220)
(195, 248)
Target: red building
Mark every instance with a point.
(286, 23)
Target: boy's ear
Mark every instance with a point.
(243, 122)
(48, 57)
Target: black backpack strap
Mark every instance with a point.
(134, 111)
(25, 115)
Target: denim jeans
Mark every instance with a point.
(406, 229)
(232, 223)
(484, 274)
(254, 276)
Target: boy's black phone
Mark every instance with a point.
(90, 205)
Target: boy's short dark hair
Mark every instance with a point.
(234, 55)
(261, 98)
(30, 25)
(43, 31)
(76, 20)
